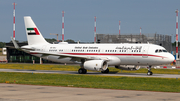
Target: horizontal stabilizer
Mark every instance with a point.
(15, 44)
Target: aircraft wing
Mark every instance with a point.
(64, 55)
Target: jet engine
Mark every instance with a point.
(97, 65)
(128, 67)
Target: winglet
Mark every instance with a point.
(15, 44)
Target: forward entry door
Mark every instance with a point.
(145, 52)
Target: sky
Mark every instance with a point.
(153, 16)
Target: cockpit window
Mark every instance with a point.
(160, 50)
(164, 50)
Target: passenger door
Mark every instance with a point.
(145, 51)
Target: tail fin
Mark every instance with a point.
(34, 36)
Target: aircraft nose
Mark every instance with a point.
(171, 58)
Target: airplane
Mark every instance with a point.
(97, 57)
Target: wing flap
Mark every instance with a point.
(73, 57)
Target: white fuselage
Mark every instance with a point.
(93, 56)
(115, 54)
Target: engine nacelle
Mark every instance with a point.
(98, 65)
(128, 67)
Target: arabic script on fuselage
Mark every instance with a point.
(129, 47)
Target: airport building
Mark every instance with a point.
(16, 56)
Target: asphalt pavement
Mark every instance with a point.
(93, 73)
(17, 92)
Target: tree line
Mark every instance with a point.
(2, 44)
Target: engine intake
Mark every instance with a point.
(97, 65)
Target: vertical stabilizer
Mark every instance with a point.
(34, 36)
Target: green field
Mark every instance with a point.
(90, 81)
(76, 67)
(93, 81)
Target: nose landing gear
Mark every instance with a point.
(149, 71)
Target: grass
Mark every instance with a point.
(93, 81)
(40, 67)
(76, 67)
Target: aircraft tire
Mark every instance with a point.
(149, 73)
(82, 71)
(106, 71)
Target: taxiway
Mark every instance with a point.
(17, 92)
(93, 73)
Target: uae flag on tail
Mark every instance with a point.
(32, 31)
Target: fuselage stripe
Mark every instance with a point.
(103, 54)
(113, 54)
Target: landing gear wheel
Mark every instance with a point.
(106, 71)
(149, 73)
(117, 67)
(82, 71)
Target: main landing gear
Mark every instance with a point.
(82, 71)
(106, 71)
(149, 71)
